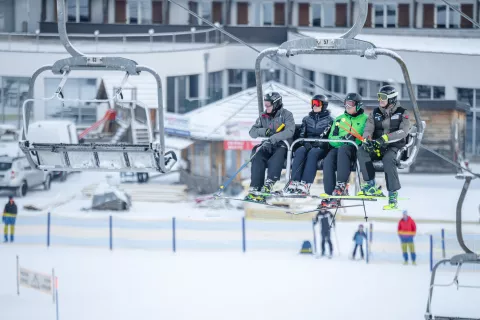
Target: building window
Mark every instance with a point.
(369, 88)
(239, 80)
(215, 86)
(82, 113)
(316, 15)
(446, 17)
(308, 87)
(424, 92)
(182, 93)
(78, 10)
(384, 15)
(270, 75)
(337, 84)
(242, 13)
(267, 14)
(329, 15)
(139, 12)
(13, 92)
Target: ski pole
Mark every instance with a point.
(355, 134)
(223, 186)
(350, 126)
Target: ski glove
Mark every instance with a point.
(267, 146)
(348, 137)
(382, 141)
(369, 146)
(269, 132)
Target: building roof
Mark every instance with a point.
(232, 117)
(466, 46)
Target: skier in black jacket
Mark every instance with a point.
(325, 218)
(273, 151)
(316, 125)
(9, 218)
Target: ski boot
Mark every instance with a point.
(292, 188)
(268, 187)
(340, 190)
(253, 196)
(11, 238)
(392, 201)
(370, 189)
(5, 238)
(303, 188)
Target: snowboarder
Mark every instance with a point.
(273, 151)
(341, 157)
(407, 229)
(385, 133)
(358, 238)
(316, 125)
(325, 218)
(9, 218)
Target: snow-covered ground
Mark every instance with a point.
(125, 285)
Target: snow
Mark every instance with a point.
(466, 46)
(127, 284)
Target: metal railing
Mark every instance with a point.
(113, 43)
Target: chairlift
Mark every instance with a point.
(348, 45)
(469, 257)
(119, 157)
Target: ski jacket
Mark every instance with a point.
(325, 220)
(357, 121)
(316, 125)
(10, 209)
(266, 121)
(359, 236)
(407, 229)
(393, 121)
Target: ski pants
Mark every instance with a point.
(338, 160)
(355, 250)
(9, 221)
(304, 167)
(389, 167)
(408, 245)
(326, 239)
(271, 161)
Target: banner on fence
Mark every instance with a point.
(35, 280)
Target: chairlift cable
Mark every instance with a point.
(252, 47)
(450, 161)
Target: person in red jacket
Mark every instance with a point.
(407, 230)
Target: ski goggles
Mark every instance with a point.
(317, 103)
(350, 104)
(385, 97)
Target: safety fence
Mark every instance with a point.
(445, 245)
(173, 234)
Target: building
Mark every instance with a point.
(199, 66)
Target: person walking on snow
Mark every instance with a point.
(407, 229)
(386, 132)
(273, 151)
(358, 238)
(338, 162)
(9, 218)
(316, 125)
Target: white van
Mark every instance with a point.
(53, 131)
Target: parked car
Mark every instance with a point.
(17, 175)
(54, 131)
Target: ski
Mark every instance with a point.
(325, 208)
(322, 196)
(367, 198)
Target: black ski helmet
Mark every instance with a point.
(275, 99)
(388, 92)
(356, 98)
(323, 99)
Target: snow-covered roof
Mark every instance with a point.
(145, 85)
(177, 143)
(467, 46)
(232, 117)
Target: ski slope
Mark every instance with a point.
(124, 285)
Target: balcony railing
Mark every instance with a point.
(114, 43)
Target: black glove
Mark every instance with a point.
(369, 146)
(269, 132)
(382, 141)
(267, 146)
(308, 146)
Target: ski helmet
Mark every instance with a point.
(275, 99)
(389, 93)
(353, 99)
(320, 100)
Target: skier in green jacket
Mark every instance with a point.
(338, 162)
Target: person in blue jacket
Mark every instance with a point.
(358, 238)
